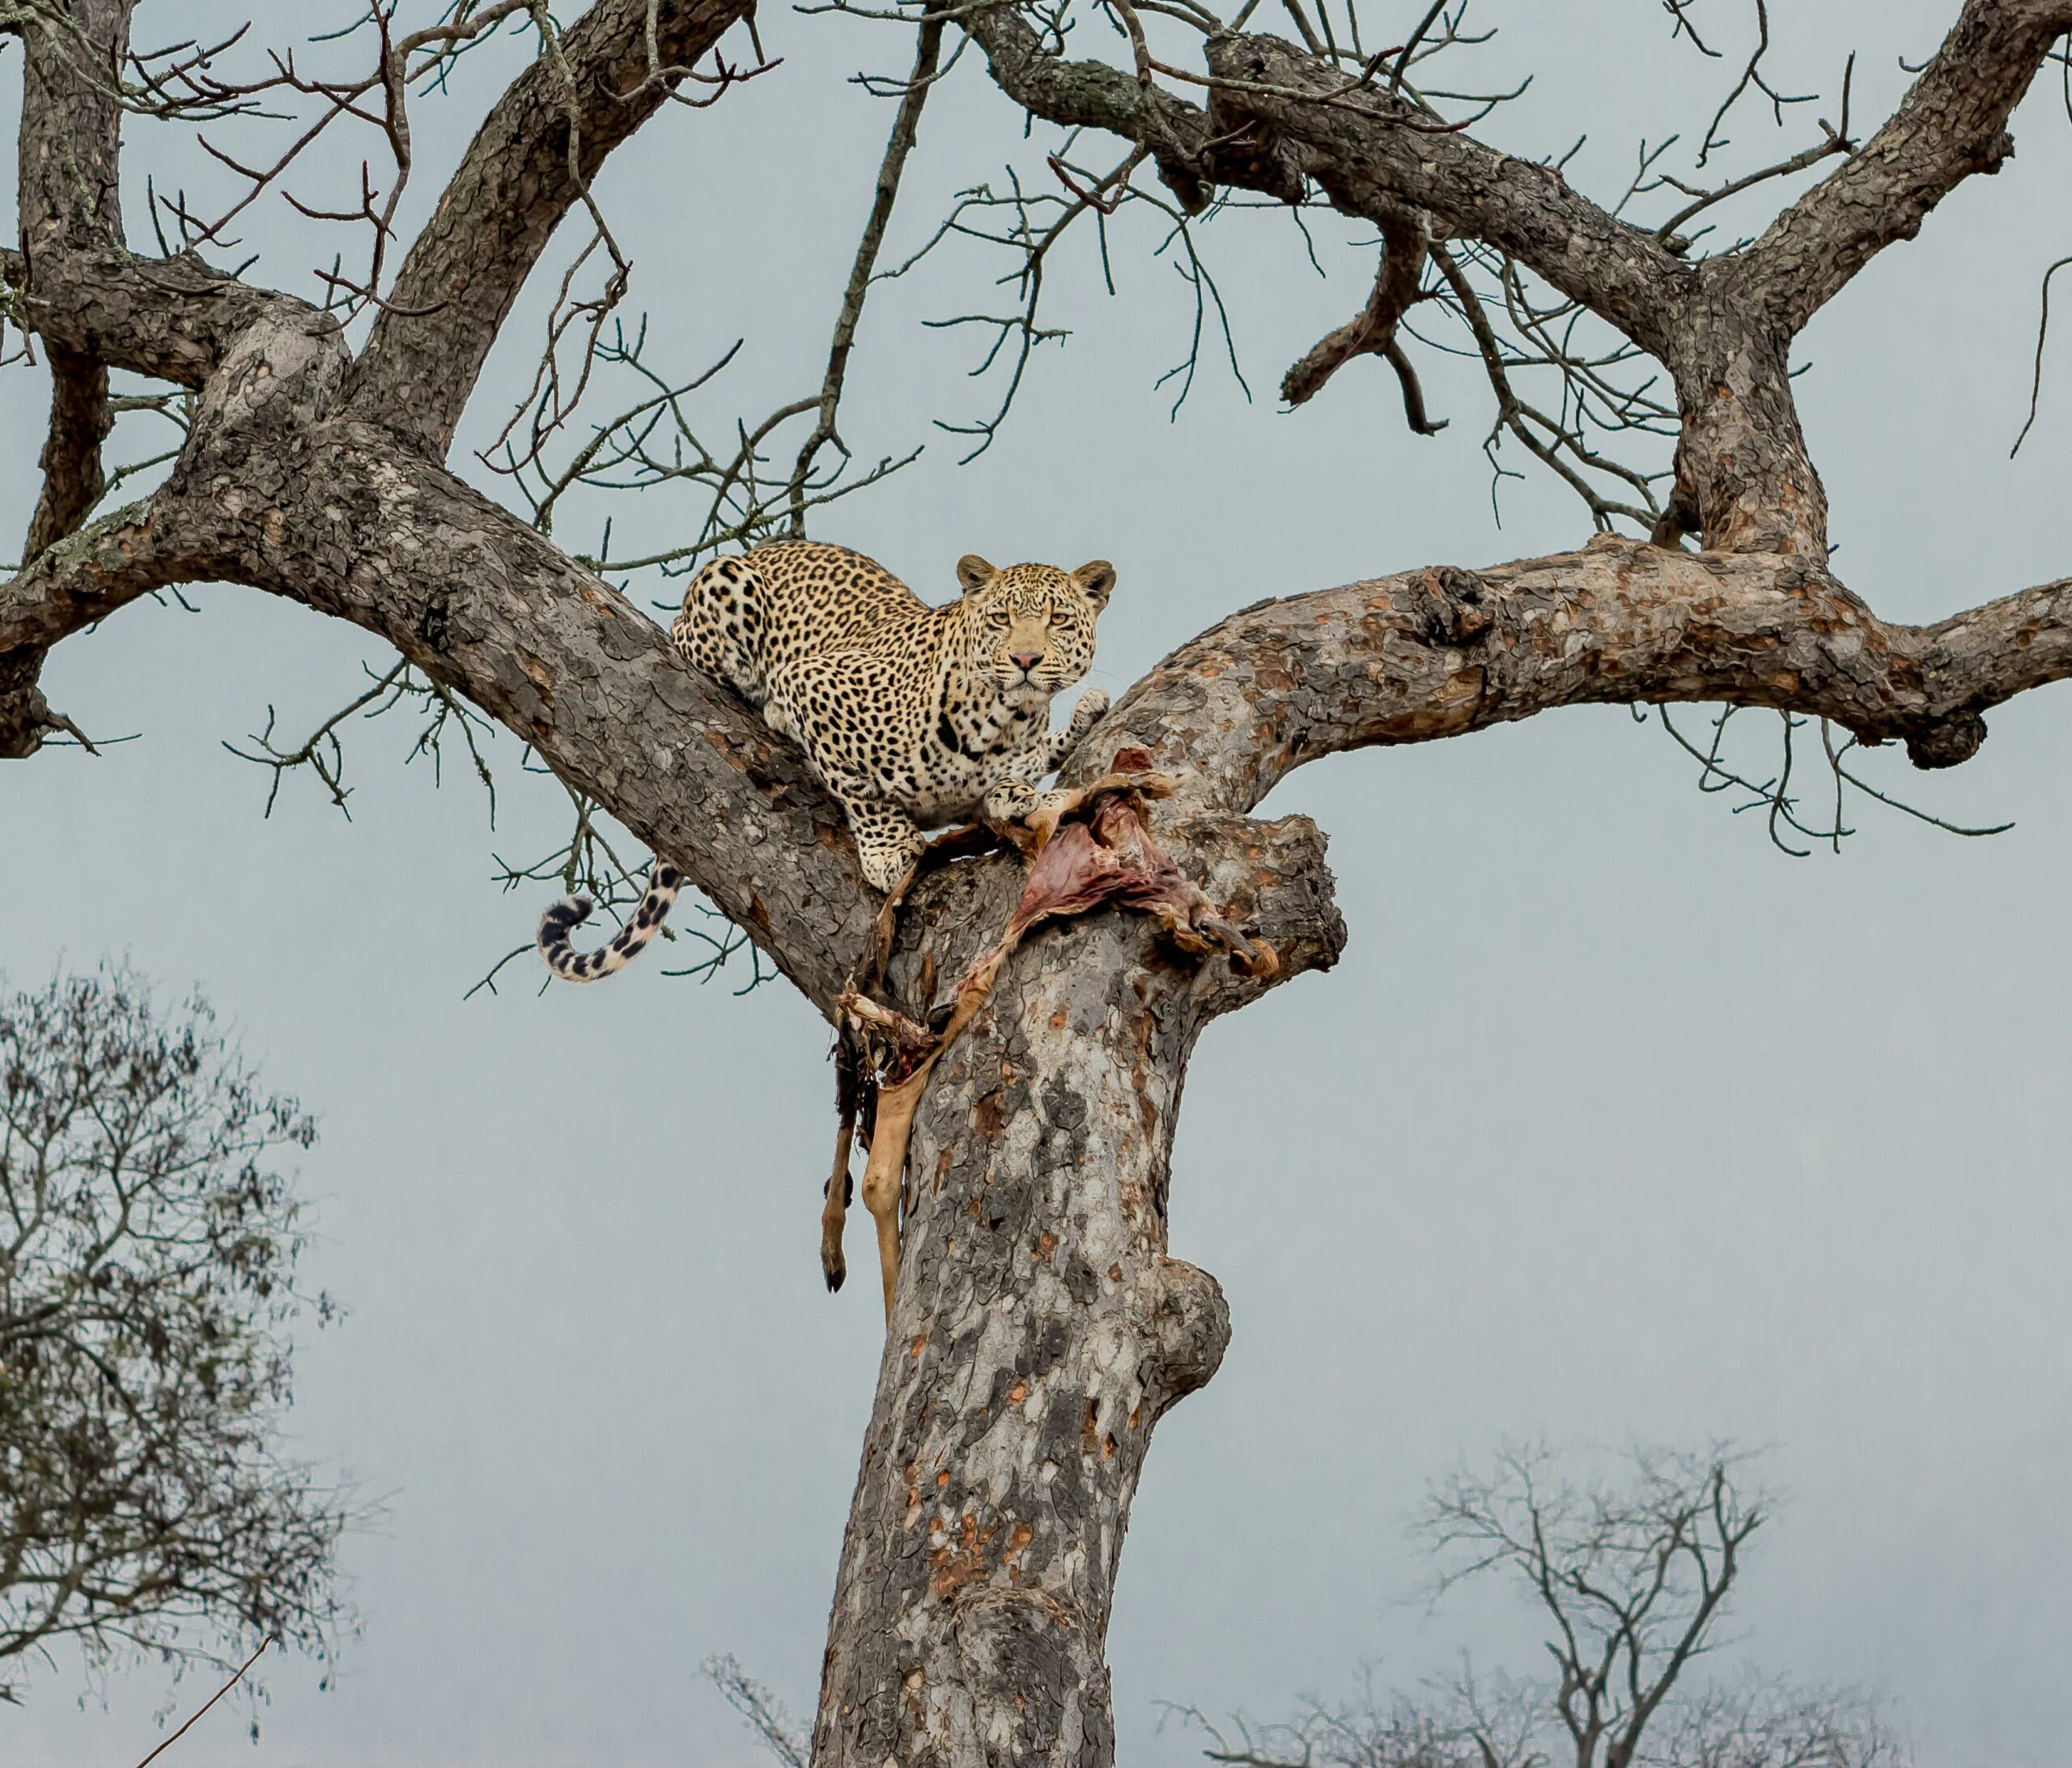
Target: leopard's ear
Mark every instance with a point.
(1096, 579)
(973, 572)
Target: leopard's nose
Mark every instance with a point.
(1025, 661)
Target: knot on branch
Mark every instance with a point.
(1186, 1325)
(1449, 607)
(1244, 149)
(1948, 743)
(1273, 877)
(1193, 194)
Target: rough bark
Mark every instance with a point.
(1952, 125)
(72, 479)
(1042, 1327)
(70, 147)
(173, 319)
(1434, 653)
(68, 150)
(1742, 471)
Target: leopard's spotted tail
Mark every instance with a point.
(624, 945)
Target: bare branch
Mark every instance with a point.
(1952, 124)
(529, 165)
(906, 125)
(1373, 330)
(2043, 335)
(763, 1711)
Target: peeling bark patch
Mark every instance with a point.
(536, 671)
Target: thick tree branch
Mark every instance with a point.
(390, 541)
(173, 319)
(1952, 124)
(91, 574)
(71, 200)
(71, 136)
(1374, 152)
(1438, 652)
(73, 477)
(69, 584)
(522, 173)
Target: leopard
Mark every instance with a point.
(914, 717)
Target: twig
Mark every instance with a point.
(2035, 380)
(232, 1683)
(906, 125)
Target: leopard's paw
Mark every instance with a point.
(1092, 705)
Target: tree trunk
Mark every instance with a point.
(1042, 1329)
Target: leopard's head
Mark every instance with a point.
(1030, 628)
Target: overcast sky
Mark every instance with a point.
(1614, 1122)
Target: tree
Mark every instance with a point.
(1631, 1580)
(1041, 1328)
(148, 1247)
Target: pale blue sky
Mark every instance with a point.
(1613, 1121)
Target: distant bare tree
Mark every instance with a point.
(1636, 342)
(1632, 1580)
(148, 1245)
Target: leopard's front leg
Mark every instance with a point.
(1015, 797)
(888, 840)
(1088, 713)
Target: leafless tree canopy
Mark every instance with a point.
(1631, 1579)
(148, 1244)
(1628, 349)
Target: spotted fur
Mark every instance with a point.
(913, 717)
(623, 946)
